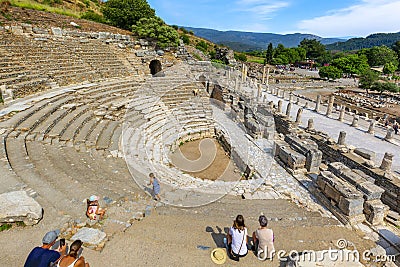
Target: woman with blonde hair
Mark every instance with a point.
(237, 239)
(72, 259)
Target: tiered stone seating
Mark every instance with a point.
(58, 151)
(32, 63)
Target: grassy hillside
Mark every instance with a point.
(73, 8)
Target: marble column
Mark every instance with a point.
(342, 112)
(387, 162)
(310, 125)
(280, 106)
(355, 121)
(318, 103)
(290, 97)
(237, 84)
(298, 117)
(342, 138)
(263, 75)
(288, 109)
(371, 129)
(389, 134)
(330, 105)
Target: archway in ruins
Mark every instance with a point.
(155, 67)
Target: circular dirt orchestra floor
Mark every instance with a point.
(219, 165)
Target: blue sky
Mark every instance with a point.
(326, 18)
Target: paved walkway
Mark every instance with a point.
(355, 136)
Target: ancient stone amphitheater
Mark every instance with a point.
(94, 113)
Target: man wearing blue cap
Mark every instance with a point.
(43, 256)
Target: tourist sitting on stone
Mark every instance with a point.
(263, 239)
(156, 186)
(73, 259)
(237, 239)
(93, 208)
(44, 256)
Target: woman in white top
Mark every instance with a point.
(72, 259)
(237, 239)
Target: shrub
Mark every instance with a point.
(185, 39)
(202, 46)
(240, 57)
(91, 15)
(183, 30)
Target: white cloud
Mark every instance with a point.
(369, 16)
(261, 9)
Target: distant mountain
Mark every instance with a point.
(248, 41)
(376, 39)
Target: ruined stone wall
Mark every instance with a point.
(283, 125)
(332, 153)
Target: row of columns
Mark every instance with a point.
(387, 160)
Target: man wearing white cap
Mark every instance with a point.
(43, 256)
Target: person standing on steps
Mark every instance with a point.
(237, 239)
(156, 186)
(44, 256)
(396, 127)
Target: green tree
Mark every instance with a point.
(330, 72)
(155, 28)
(125, 13)
(385, 86)
(367, 79)
(270, 54)
(351, 64)
(240, 57)
(389, 68)
(314, 48)
(380, 56)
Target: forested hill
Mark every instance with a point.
(247, 41)
(372, 40)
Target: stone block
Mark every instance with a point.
(27, 27)
(38, 30)
(365, 153)
(375, 211)
(370, 190)
(56, 31)
(89, 236)
(103, 35)
(17, 206)
(140, 53)
(313, 160)
(351, 207)
(17, 30)
(321, 184)
(331, 193)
